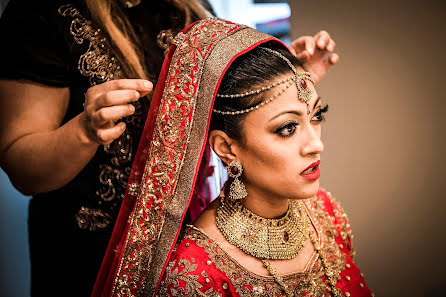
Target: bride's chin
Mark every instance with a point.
(308, 191)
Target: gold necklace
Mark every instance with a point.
(260, 237)
(271, 239)
(329, 274)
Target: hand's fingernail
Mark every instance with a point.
(148, 84)
(137, 94)
(321, 43)
(132, 108)
(311, 49)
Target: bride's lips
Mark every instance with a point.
(313, 173)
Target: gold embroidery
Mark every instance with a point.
(96, 63)
(243, 280)
(237, 40)
(166, 154)
(92, 219)
(309, 283)
(171, 285)
(346, 232)
(335, 259)
(184, 275)
(99, 65)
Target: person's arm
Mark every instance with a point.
(36, 151)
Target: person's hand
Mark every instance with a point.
(316, 53)
(107, 103)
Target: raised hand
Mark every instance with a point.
(316, 53)
(107, 103)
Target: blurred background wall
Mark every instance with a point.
(384, 137)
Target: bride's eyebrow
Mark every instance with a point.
(296, 112)
(316, 102)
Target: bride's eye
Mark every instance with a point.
(319, 115)
(287, 129)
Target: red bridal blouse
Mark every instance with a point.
(200, 267)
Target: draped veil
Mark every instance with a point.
(167, 165)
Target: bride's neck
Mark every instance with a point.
(266, 207)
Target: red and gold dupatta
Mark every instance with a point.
(167, 163)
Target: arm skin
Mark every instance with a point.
(36, 152)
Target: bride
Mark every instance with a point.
(272, 231)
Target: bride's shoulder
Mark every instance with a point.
(326, 202)
(192, 262)
(190, 242)
(330, 216)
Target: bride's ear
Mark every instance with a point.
(221, 144)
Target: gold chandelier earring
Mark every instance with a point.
(237, 189)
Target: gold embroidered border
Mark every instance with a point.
(216, 62)
(170, 140)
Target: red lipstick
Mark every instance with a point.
(311, 172)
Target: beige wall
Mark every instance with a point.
(385, 142)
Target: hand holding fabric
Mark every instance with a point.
(316, 53)
(107, 103)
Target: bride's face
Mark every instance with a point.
(280, 142)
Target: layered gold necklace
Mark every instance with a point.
(270, 239)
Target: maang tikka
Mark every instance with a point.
(298, 78)
(237, 189)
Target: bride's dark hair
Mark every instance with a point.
(250, 71)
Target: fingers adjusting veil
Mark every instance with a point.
(167, 163)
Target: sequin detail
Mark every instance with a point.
(99, 65)
(166, 153)
(246, 283)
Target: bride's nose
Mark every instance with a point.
(312, 143)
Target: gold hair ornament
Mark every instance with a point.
(299, 78)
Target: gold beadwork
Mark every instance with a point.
(278, 278)
(304, 93)
(348, 278)
(329, 272)
(262, 89)
(264, 238)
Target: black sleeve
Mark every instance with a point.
(33, 43)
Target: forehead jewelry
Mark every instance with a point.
(303, 92)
